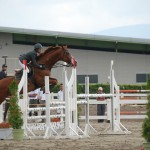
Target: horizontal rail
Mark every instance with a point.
(82, 102)
(93, 117)
(133, 94)
(133, 116)
(133, 102)
(44, 108)
(121, 116)
(94, 95)
(132, 112)
(134, 91)
(43, 117)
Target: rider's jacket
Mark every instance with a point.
(30, 57)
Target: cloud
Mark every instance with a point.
(81, 16)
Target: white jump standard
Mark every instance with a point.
(113, 106)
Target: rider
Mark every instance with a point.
(31, 57)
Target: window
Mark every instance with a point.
(92, 78)
(141, 77)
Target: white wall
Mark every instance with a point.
(89, 62)
(126, 65)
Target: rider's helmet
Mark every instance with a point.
(38, 47)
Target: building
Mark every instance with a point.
(131, 56)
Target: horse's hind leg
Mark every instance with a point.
(6, 110)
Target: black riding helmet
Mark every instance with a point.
(38, 47)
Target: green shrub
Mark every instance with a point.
(146, 122)
(15, 114)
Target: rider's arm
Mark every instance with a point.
(33, 57)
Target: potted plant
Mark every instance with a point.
(15, 115)
(146, 123)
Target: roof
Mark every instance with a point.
(78, 40)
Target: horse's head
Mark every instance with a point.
(66, 57)
(54, 54)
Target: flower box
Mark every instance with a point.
(5, 130)
(4, 125)
(5, 133)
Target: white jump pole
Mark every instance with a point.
(71, 106)
(1, 112)
(47, 96)
(67, 118)
(25, 96)
(87, 99)
(49, 130)
(68, 113)
(88, 128)
(71, 121)
(74, 102)
(112, 99)
(115, 126)
(23, 102)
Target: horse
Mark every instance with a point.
(48, 58)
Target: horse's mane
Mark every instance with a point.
(49, 49)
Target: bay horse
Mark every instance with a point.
(48, 58)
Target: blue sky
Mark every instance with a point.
(77, 16)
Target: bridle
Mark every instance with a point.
(65, 54)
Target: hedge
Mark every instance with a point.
(93, 88)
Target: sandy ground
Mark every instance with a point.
(131, 141)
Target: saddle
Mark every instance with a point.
(19, 73)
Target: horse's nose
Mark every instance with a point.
(74, 62)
